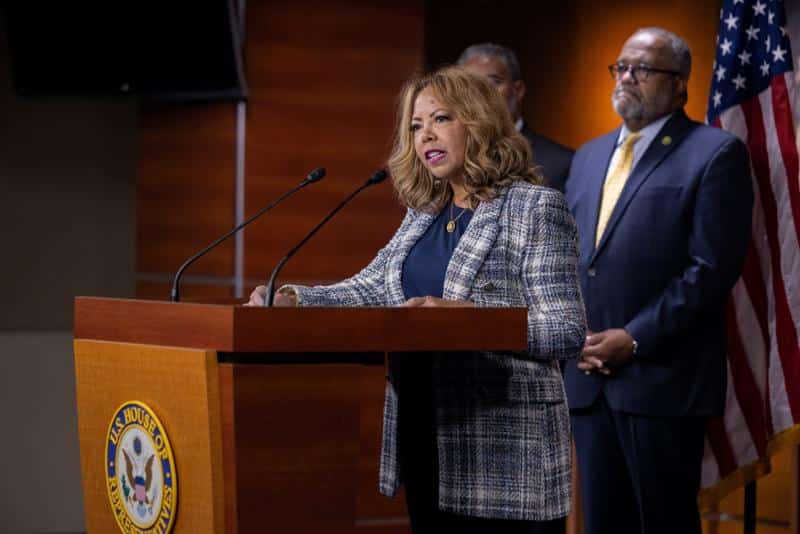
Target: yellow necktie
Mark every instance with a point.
(617, 175)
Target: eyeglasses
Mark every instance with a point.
(639, 73)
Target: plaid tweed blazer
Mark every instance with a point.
(502, 421)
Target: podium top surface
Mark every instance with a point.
(235, 328)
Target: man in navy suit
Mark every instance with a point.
(663, 206)
(501, 66)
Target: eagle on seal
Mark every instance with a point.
(141, 480)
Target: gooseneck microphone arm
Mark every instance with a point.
(376, 178)
(314, 176)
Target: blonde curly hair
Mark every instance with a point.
(496, 154)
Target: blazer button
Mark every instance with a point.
(488, 286)
(591, 272)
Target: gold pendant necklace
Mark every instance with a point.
(451, 224)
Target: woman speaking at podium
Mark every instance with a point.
(479, 440)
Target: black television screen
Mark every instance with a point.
(163, 50)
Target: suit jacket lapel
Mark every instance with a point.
(394, 273)
(599, 167)
(676, 129)
(472, 249)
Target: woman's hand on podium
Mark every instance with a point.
(283, 299)
(434, 302)
(257, 296)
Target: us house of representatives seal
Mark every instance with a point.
(141, 482)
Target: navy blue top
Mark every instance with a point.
(426, 264)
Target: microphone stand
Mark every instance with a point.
(314, 176)
(376, 178)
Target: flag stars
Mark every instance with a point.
(726, 47)
(717, 99)
(759, 8)
(738, 2)
(768, 42)
(744, 57)
(783, 30)
(764, 68)
(778, 53)
(752, 33)
(739, 82)
(771, 18)
(732, 22)
(721, 73)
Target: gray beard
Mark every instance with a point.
(631, 110)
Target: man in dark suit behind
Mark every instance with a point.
(663, 206)
(500, 64)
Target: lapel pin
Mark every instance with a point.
(666, 140)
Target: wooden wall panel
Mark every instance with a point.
(185, 186)
(324, 77)
(189, 292)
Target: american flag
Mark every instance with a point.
(754, 96)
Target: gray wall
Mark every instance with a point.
(67, 227)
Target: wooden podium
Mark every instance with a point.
(274, 415)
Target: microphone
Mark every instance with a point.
(376, 178)
(314, 176)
